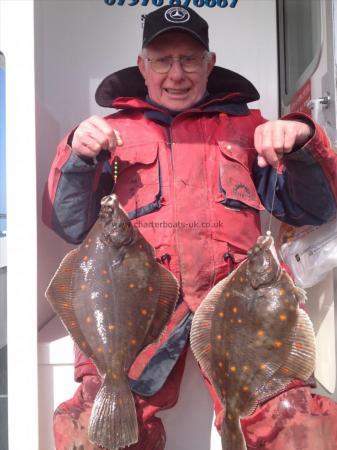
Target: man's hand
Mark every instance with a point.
(93, 135)
(276, 137)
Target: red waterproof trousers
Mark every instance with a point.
(293, 420)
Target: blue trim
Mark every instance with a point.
(303, 195)
(158, 116)
(236, 204)
(235, 109)
(76, 206)
(159, 368)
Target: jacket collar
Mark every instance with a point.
(236, 109)
(126, 89)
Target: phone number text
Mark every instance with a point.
(197, 3)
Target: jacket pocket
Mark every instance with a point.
(138, 184)
(236, 186)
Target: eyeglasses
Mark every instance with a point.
(188, 63)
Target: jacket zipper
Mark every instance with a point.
(170, 146)
(169, 143)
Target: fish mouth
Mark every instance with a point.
(117, 228)
(265, 241)
(110, 201)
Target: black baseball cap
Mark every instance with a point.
(169, 18)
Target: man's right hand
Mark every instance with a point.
(93, 135)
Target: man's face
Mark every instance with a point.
(177, 89)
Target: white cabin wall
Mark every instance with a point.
(78, 43)
(17, 44)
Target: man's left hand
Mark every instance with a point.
(276, 137)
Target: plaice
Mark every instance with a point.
(252, 338)
(114, 298)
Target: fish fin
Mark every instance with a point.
(273, 387)
(113, 421)
(168, 296)
(200, 335)
(301, 360)
(60, 294)
(301, 295)
(232, 437)
(299, 364)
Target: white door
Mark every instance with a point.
(307, 58)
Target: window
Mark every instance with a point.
(300, 43)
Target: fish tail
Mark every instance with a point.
(113, 422)
(231, 435)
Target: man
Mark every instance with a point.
(194, 167)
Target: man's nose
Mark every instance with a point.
(176, 72)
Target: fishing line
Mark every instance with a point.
(272, 204)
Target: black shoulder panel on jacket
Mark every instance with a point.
(130, 83)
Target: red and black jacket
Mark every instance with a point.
(191, 184)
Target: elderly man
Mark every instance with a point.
(193, 167)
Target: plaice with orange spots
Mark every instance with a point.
(114, 298)
(258, 339)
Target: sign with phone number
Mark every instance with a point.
(197, 3)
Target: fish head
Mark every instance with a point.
(117, 228)
(263, 268)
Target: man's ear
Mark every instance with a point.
(210, 62)
(141, 66)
